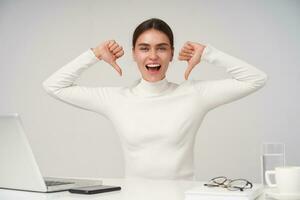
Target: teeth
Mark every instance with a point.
(153, 65)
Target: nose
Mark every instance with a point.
(153, 55)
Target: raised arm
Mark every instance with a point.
(245, 77)
(61, 84)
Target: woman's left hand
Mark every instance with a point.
(191, 52)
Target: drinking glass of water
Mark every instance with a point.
(273, 155)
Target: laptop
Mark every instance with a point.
(18, 167)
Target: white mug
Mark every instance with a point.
(287, 179)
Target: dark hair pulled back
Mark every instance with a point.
(153, 23)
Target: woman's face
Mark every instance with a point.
(152, 53)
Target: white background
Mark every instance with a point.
(39, 37)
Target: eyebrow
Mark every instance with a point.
(160, 44)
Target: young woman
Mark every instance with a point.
(157, 120)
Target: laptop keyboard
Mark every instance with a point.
(54, 183)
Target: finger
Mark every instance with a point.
(113, 47)
(116, 66)
(185, 54)
(187, 72)
(183, 58)
(116, 50)
(111, 42)
(188, 45)
(119, 54)
(186, 50)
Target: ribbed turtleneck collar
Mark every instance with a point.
(146, 88)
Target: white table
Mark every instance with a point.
(132, 189)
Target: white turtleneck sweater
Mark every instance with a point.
(157, 121)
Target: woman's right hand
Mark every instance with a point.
(109, 51)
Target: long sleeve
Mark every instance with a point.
(245, 79)
(61, 85)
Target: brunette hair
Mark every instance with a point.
(153, 23)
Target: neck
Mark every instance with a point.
(153, 81)
(146, 88)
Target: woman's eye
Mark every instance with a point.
(144, 48)
(162, 48)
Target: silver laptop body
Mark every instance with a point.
(18, 167)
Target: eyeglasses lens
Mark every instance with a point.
(219, 180)
(238, 184)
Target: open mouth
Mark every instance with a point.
(153, 67)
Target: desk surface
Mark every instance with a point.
(131, 190)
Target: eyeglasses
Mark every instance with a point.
(230, 184)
